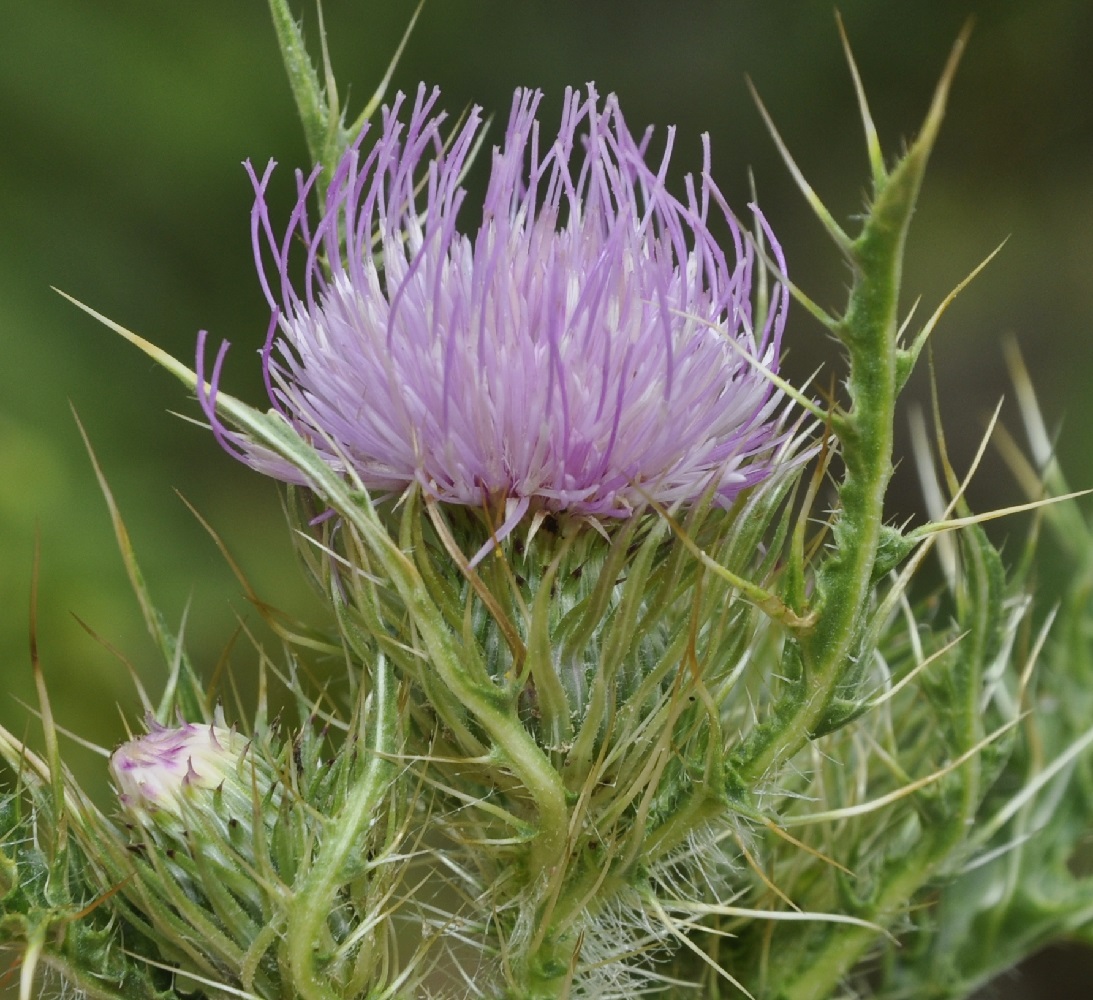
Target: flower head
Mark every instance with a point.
(588, 346)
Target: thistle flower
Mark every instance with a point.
(588, 347)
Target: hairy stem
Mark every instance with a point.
(315, 896)
(831, 651)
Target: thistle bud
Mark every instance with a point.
(158, 773)
(202, 800)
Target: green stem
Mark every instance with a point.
(315, 897)
(817, 973)
(826, 966)
(316, 111)
(512, 741)
(830, 652)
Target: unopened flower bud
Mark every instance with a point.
(159, 775)
(202, 802)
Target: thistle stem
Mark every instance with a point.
(314, 898)
(832, 651)
(816, 974)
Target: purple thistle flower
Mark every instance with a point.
(587, 347)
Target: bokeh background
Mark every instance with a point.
(122, 127)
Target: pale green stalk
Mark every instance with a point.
(315, 893)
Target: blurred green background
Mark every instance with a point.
(122, 127)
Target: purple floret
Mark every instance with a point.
(587, 346)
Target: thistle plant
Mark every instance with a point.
(640, 692)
